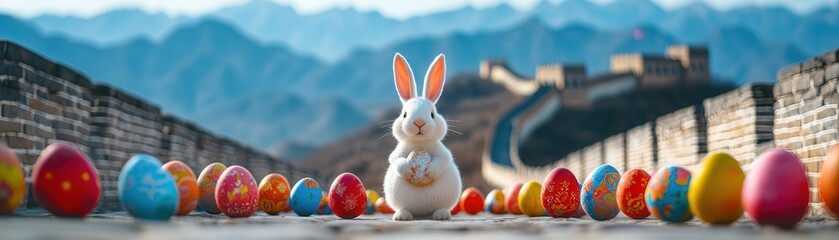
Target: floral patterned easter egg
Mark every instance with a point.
(64, 181)
(630, 194)
(666, 194)
(383, 207)
(305, 197)
(471, 201)
(12, 182)
(561, 193)
(598, 197)
(187, 186)
(776, 192)
(207, 181)
(579, 212)
(512, 199)
(372, 197)
(347, 196)
(237, 194)
(530, 199)
(323, 208)
(273, 193)
(147, 191)
(494, 202)
(716, 189)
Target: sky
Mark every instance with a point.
(391, 8)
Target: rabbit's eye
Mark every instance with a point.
(404, 115)
(432, 115)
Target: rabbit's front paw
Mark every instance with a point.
(403, 215)
(403, 168)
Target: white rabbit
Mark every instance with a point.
(420, 127)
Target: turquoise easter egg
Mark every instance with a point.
(305, 197)
(667, 194)
(599, 193)
(146, 190)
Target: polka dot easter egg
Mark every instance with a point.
(187, 186)
(630, 194)
(666, 194)
(273, 193)
(207, 181)
(12, 182)
(147, 191)
(494, 202)
(598, 197)
(372, 197)
(347, 196)
(305, 197)
(419, 161)
(237, 194)
(471, 201)
(64, 181)
(561, 193)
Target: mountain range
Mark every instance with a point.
(281, 80)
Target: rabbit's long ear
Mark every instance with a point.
(435, 78)
(404, 78)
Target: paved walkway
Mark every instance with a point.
(39, 225)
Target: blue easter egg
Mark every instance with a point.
(305, 197)
(598, 197)
(146, 190)
(666, 194)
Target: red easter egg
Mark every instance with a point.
(347, 196)
(12, 181)
(456, 208)
(512, 199)
(236, 192)
(65, 182)
(829, 181)
(187, 186)
(273, 194)
(382, 207)
(630, 193)
(561, 193)
(775, 192)
(472, 201)
(579, 212)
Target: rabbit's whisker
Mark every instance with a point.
(454, 131)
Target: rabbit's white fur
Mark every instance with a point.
(436, 199)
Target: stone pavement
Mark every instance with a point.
(198, 225)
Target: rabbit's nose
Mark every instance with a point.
(419, 123)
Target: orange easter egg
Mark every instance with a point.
(274, 191)
(187, 186)
(630, 193)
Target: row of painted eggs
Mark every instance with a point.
(776, 192)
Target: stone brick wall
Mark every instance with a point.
(592, 157)
(741, 120)
(42, 102)
(681, 137)
(806, 114)
(614, 151)
(641, 147)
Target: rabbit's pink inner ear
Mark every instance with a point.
(404, 78)
(435, 79)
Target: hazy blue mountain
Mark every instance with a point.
(111, 27)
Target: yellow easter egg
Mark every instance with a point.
(530, 199)
(372, 197)
(716, 189)
(12, 184)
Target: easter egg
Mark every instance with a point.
(512, 199)
(237, 194)
(347, 196)
(716, 188)
(419, 160)
(273, 193)
(207, 181)
(472, 201)
(147, 191)
(666, 194)
(560, 193)
(64, 181)
(187, 186)
(12, 181)
(372, 197)
(599, 192)
(323, 207)
(455, 209)
(383, 207)
(776, 192)
(631, 193)
(305, 197)
(494, 202)
(829, 181)
(579, 212)
(530, 200)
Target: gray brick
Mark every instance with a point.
(788, 71)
